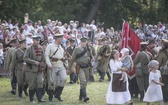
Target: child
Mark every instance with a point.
(127, 63)
(154, 91)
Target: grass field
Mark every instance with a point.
(96, 92)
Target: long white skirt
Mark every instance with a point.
(117, 97)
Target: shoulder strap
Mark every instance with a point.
(146, 55)
(55, 52)
(166, 53)
(81, 54)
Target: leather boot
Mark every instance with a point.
(92, 78)
(20, 91)
(58, 95)
(25, 89)
(80, 95)
(85, 95)
(31, 95)
(102, 77)
(55, 91)
(50, 94)
(141, 95)
(39, 94)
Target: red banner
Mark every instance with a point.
(131, 41)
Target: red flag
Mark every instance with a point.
(131, 41)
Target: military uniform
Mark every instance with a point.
(17, 65)
(9, 66)
(84, 63)
(70, 49)
(162, 59)
(34, 75)
(144, 58)
(105, 53)
(54, 55)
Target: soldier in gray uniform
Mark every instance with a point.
(8, 64)
(17, 65)
(70, 50)
(81, 56)
(34, 58)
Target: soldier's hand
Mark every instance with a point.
(37, 63)
(51, 67)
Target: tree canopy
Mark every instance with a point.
(111, 12)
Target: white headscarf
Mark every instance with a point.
(124, 50)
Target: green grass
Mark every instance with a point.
(96, 92)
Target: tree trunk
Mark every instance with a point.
(93, 10)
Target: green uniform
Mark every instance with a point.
(34, 76)
(84, 73)
(104, 61)
(142, 81)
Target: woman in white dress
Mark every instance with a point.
(154, 91)
(118, 92)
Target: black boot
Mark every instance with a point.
(85, 95)
(31, 95)
(20, 91)
(39, 94)
(102, 77)
(109, 76)
(58, 95)
(55, 91)
(141, 95)
(80, 95)
(72, 78)
(13, 91)
(25, 89)
(50, 94)
(92, 78)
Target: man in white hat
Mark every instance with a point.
(54, 59)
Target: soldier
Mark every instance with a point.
(54, 59)
(105, 53)
(98, 57)
(8, 65)
(45, 82)
(143, 57)
(34, 58)
(81, 56)
(70, 50)
(17, 65)
(91, 78)
(152, 48)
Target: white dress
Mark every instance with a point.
(117, 97)
(154, 91)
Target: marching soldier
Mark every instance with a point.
(105, 53)
(70, 50)
(81, 56)
(152, 48)
(54, 59)
(143, 58)
(91, 78)
(8, 65)
(34, 59)
(45, 82)
(17, 65)
(98, 57)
